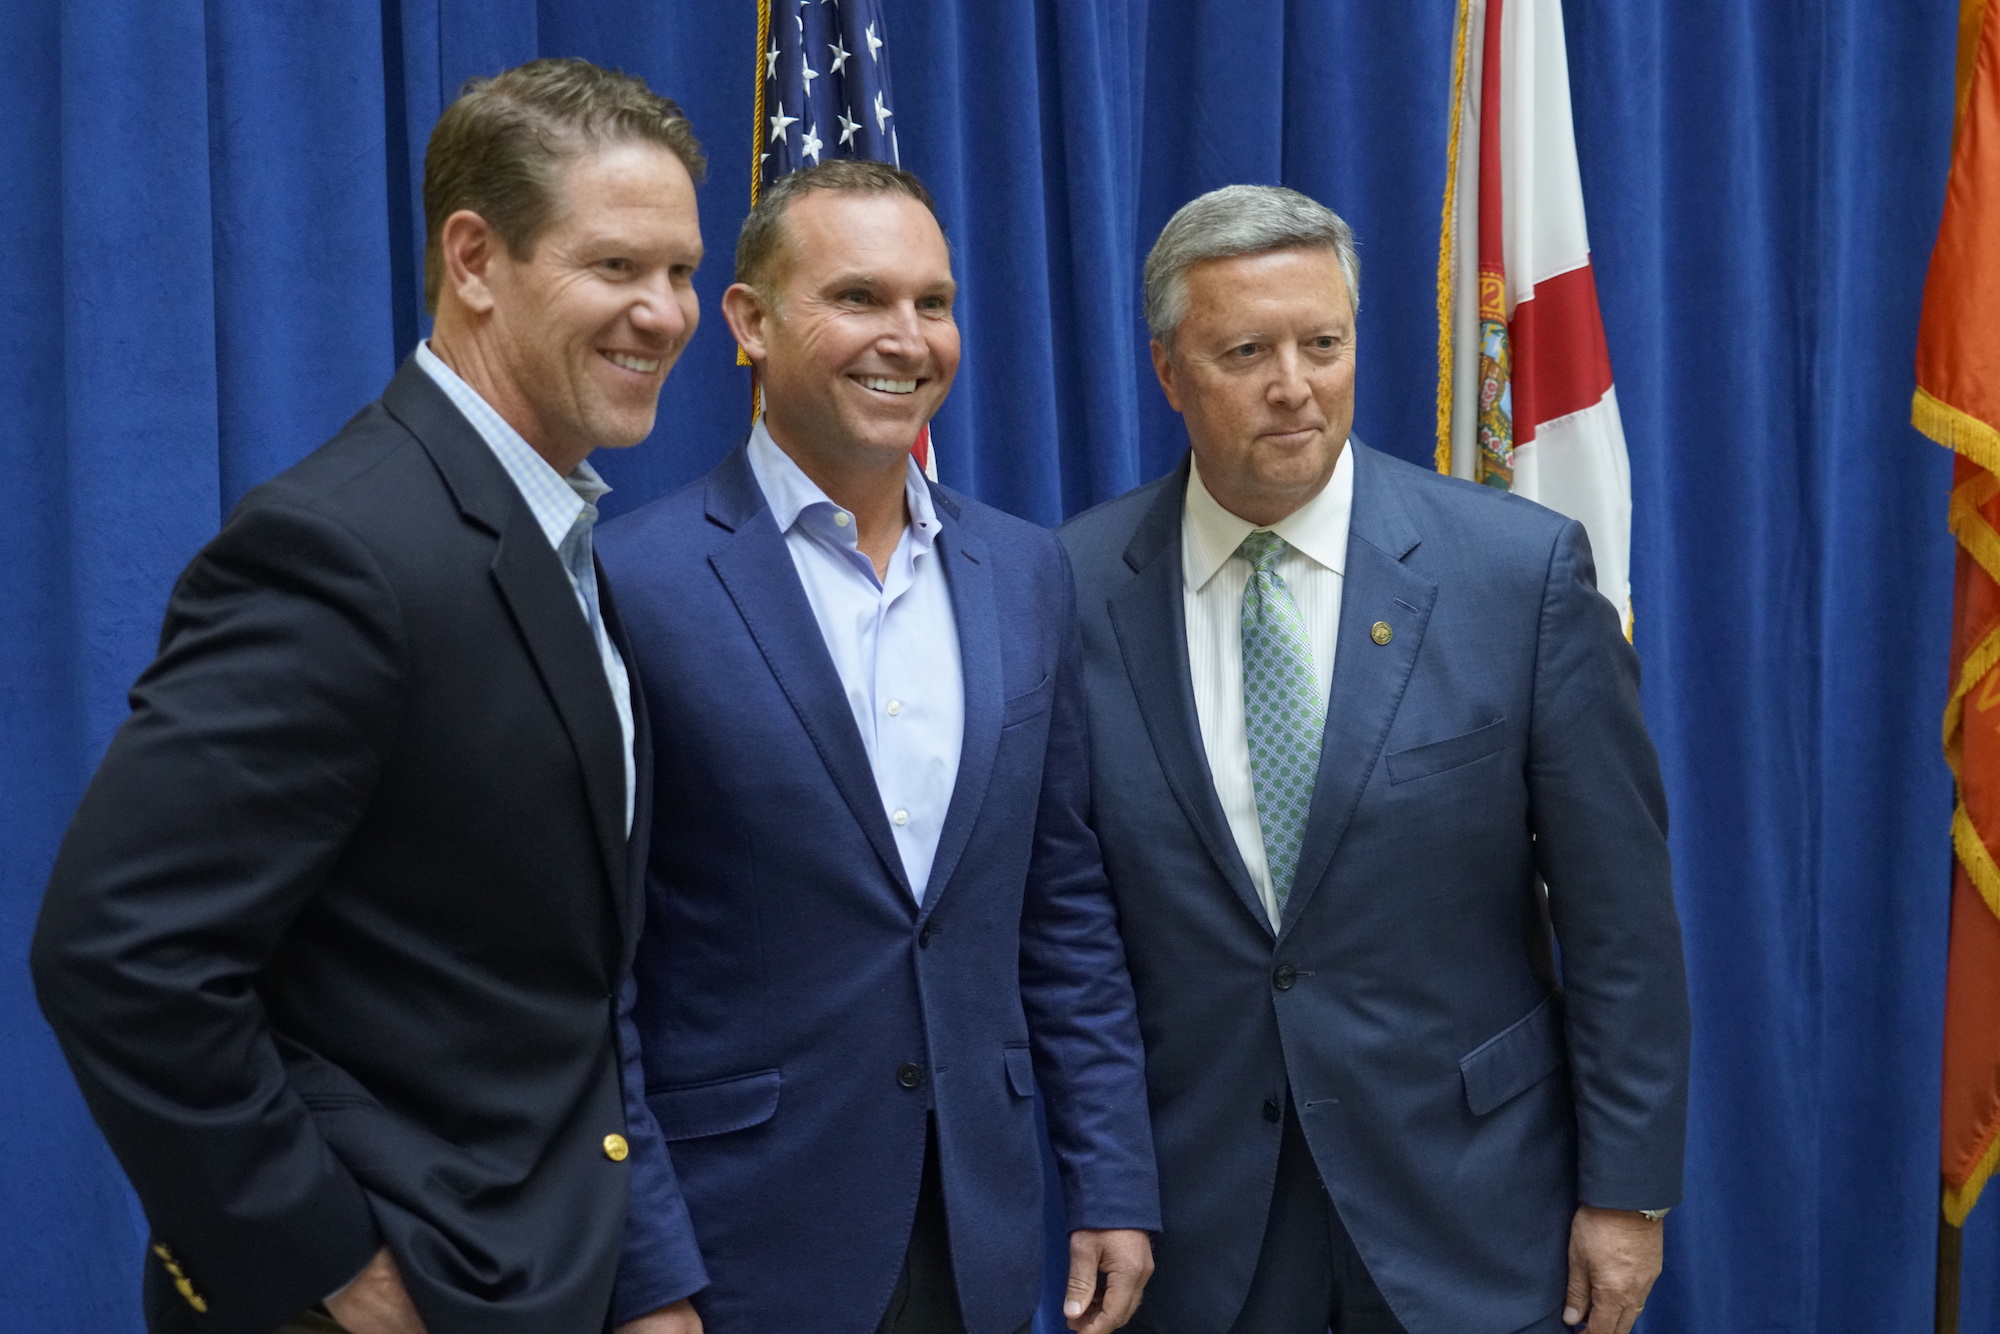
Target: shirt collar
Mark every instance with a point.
(1316, 529)
(554, 500)
(796, 499)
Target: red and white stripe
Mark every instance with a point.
(1569, 445)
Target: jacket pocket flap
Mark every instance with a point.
(715, 1107)
(1437, 756)
(1515, 1059)
(1029, 702)
(1020, 1070)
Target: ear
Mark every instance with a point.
(1163, 366)
(749, 319)
(469, 246)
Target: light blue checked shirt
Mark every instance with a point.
(566, 509)
(894, 642)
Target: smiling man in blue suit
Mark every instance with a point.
(1348, 718)
(876, 919)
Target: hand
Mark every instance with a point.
(676, 1319)
(1124, 1256)
(376, 1302)
(1614, 1256)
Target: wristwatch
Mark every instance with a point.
(1653, 1215)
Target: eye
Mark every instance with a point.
(858, 296)
(616, 265)
(935, 305)
(1243, 351)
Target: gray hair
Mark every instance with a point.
(1240, 220)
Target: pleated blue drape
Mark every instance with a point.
(212, 241)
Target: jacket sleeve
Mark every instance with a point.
(1599, 815)
(661, 1262)
(1090, 1062)
(253, 746)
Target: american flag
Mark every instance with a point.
(823, 92)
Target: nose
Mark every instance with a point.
(1289, 388)
(902, 334)
(664, 311)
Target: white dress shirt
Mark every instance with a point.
(556, 502)
(1213, 578)
(894, 642)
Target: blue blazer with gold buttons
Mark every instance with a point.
(335, 941)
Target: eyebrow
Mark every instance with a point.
(846, 280)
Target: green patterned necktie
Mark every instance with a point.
(1282, 711)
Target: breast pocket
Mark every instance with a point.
(1030, 703)
(1451, 753)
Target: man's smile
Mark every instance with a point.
(642, 365)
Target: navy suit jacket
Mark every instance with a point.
(1459, 1101)
(799, 1014)
(334, 942)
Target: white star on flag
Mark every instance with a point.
(882, 115)
(839, 54)
(848, 129)
(811, 145)
(809, 74)
(778, 124)
(874, 44)
(771, 63)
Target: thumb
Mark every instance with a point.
(1576, 1301)
(1082, 1288)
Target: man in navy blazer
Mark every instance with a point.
(1348, 718)
(335, 942)
(876, 922)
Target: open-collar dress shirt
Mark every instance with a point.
(893, 641)
(559, 505)
(1213, 577)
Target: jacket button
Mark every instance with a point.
(1271, 1109)
(909, 1074)
(1284, 977)
(615, 1148)
(924, 937)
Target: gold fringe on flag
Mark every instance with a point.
(1447, 248)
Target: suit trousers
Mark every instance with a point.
(1309, 1277)
(925, 1299)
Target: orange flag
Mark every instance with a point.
(1958, 404)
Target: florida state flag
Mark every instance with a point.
(1525, 400)
(1958, 404)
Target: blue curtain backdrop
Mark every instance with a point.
(211, 229)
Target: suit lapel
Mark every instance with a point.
(537, 591)
(757, 572)
(1150, 620)
(1368, 678)
(970, 578)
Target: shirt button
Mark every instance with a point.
(895, 707)
(909, 1074)
(901, 818)
(841, 518)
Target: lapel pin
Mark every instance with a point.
(1380, 632)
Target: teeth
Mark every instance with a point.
(631, 363)
(889, 386)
